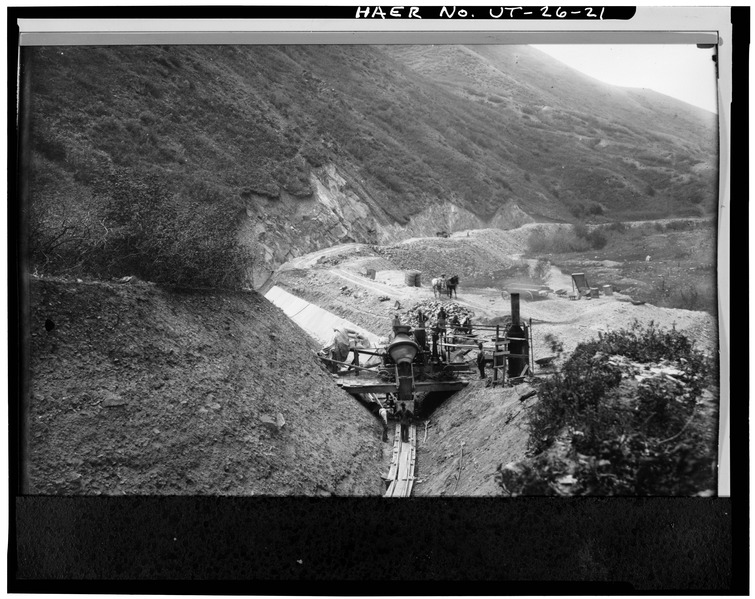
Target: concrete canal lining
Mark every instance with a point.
(315, 321)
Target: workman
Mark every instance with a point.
(390, 401)
(481, 360)
(420, 335)
(405, 418)
(442, 321)
(337, 349)
(454, 326)
(383, 413)
(435, 337)
(466, 325)
(396, 323)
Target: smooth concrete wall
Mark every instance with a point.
(316, 322)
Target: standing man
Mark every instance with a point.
(419, 333)
(383, 413)
(435, 337)
(405, 418)
(390, 401)
(442, 321)
(396, 323)
(454, 327)
(481, 360)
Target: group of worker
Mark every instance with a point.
(404, 415)
(442, 326)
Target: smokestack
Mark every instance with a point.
(515, 308)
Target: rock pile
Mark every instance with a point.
(431, 308)
(640, 372)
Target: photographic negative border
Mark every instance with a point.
(42, 527)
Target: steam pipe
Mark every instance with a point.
(515, 308)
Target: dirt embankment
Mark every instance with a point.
(138, 390)
(489, 421)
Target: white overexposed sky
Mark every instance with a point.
(684, 71)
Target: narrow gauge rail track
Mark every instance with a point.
(401, 473)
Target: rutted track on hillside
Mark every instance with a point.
(310, 259)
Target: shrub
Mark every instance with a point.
(63, 221)
(617, 227)
(561, 241)
(581, 230)
(595, 238)
(574, 393)
(166, 239)
(578, 210)
(628, 439)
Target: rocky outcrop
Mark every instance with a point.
(449, 217)
(277, 230)
(340, 211)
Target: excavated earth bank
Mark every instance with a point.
(468, 437)
(141, 390)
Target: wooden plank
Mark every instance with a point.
(406, 463)
(400, 487)
(403, 464)
(394, 458)
(413, 460)
(391, 489)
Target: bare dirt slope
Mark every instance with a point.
(487, 424)
(138, 390)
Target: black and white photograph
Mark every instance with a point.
(431, 270)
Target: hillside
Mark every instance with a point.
(139, 390)
(302, 147)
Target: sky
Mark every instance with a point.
(681, 71)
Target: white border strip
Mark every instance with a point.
(123, 38)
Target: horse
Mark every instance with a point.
(451, 286)
(439, 286)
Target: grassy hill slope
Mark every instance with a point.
(243, 130)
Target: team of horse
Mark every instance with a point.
(443, 285)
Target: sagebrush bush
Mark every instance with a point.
(167, 239)
(125, 225)
(631, 439)
(577, 239)
(617, 227)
